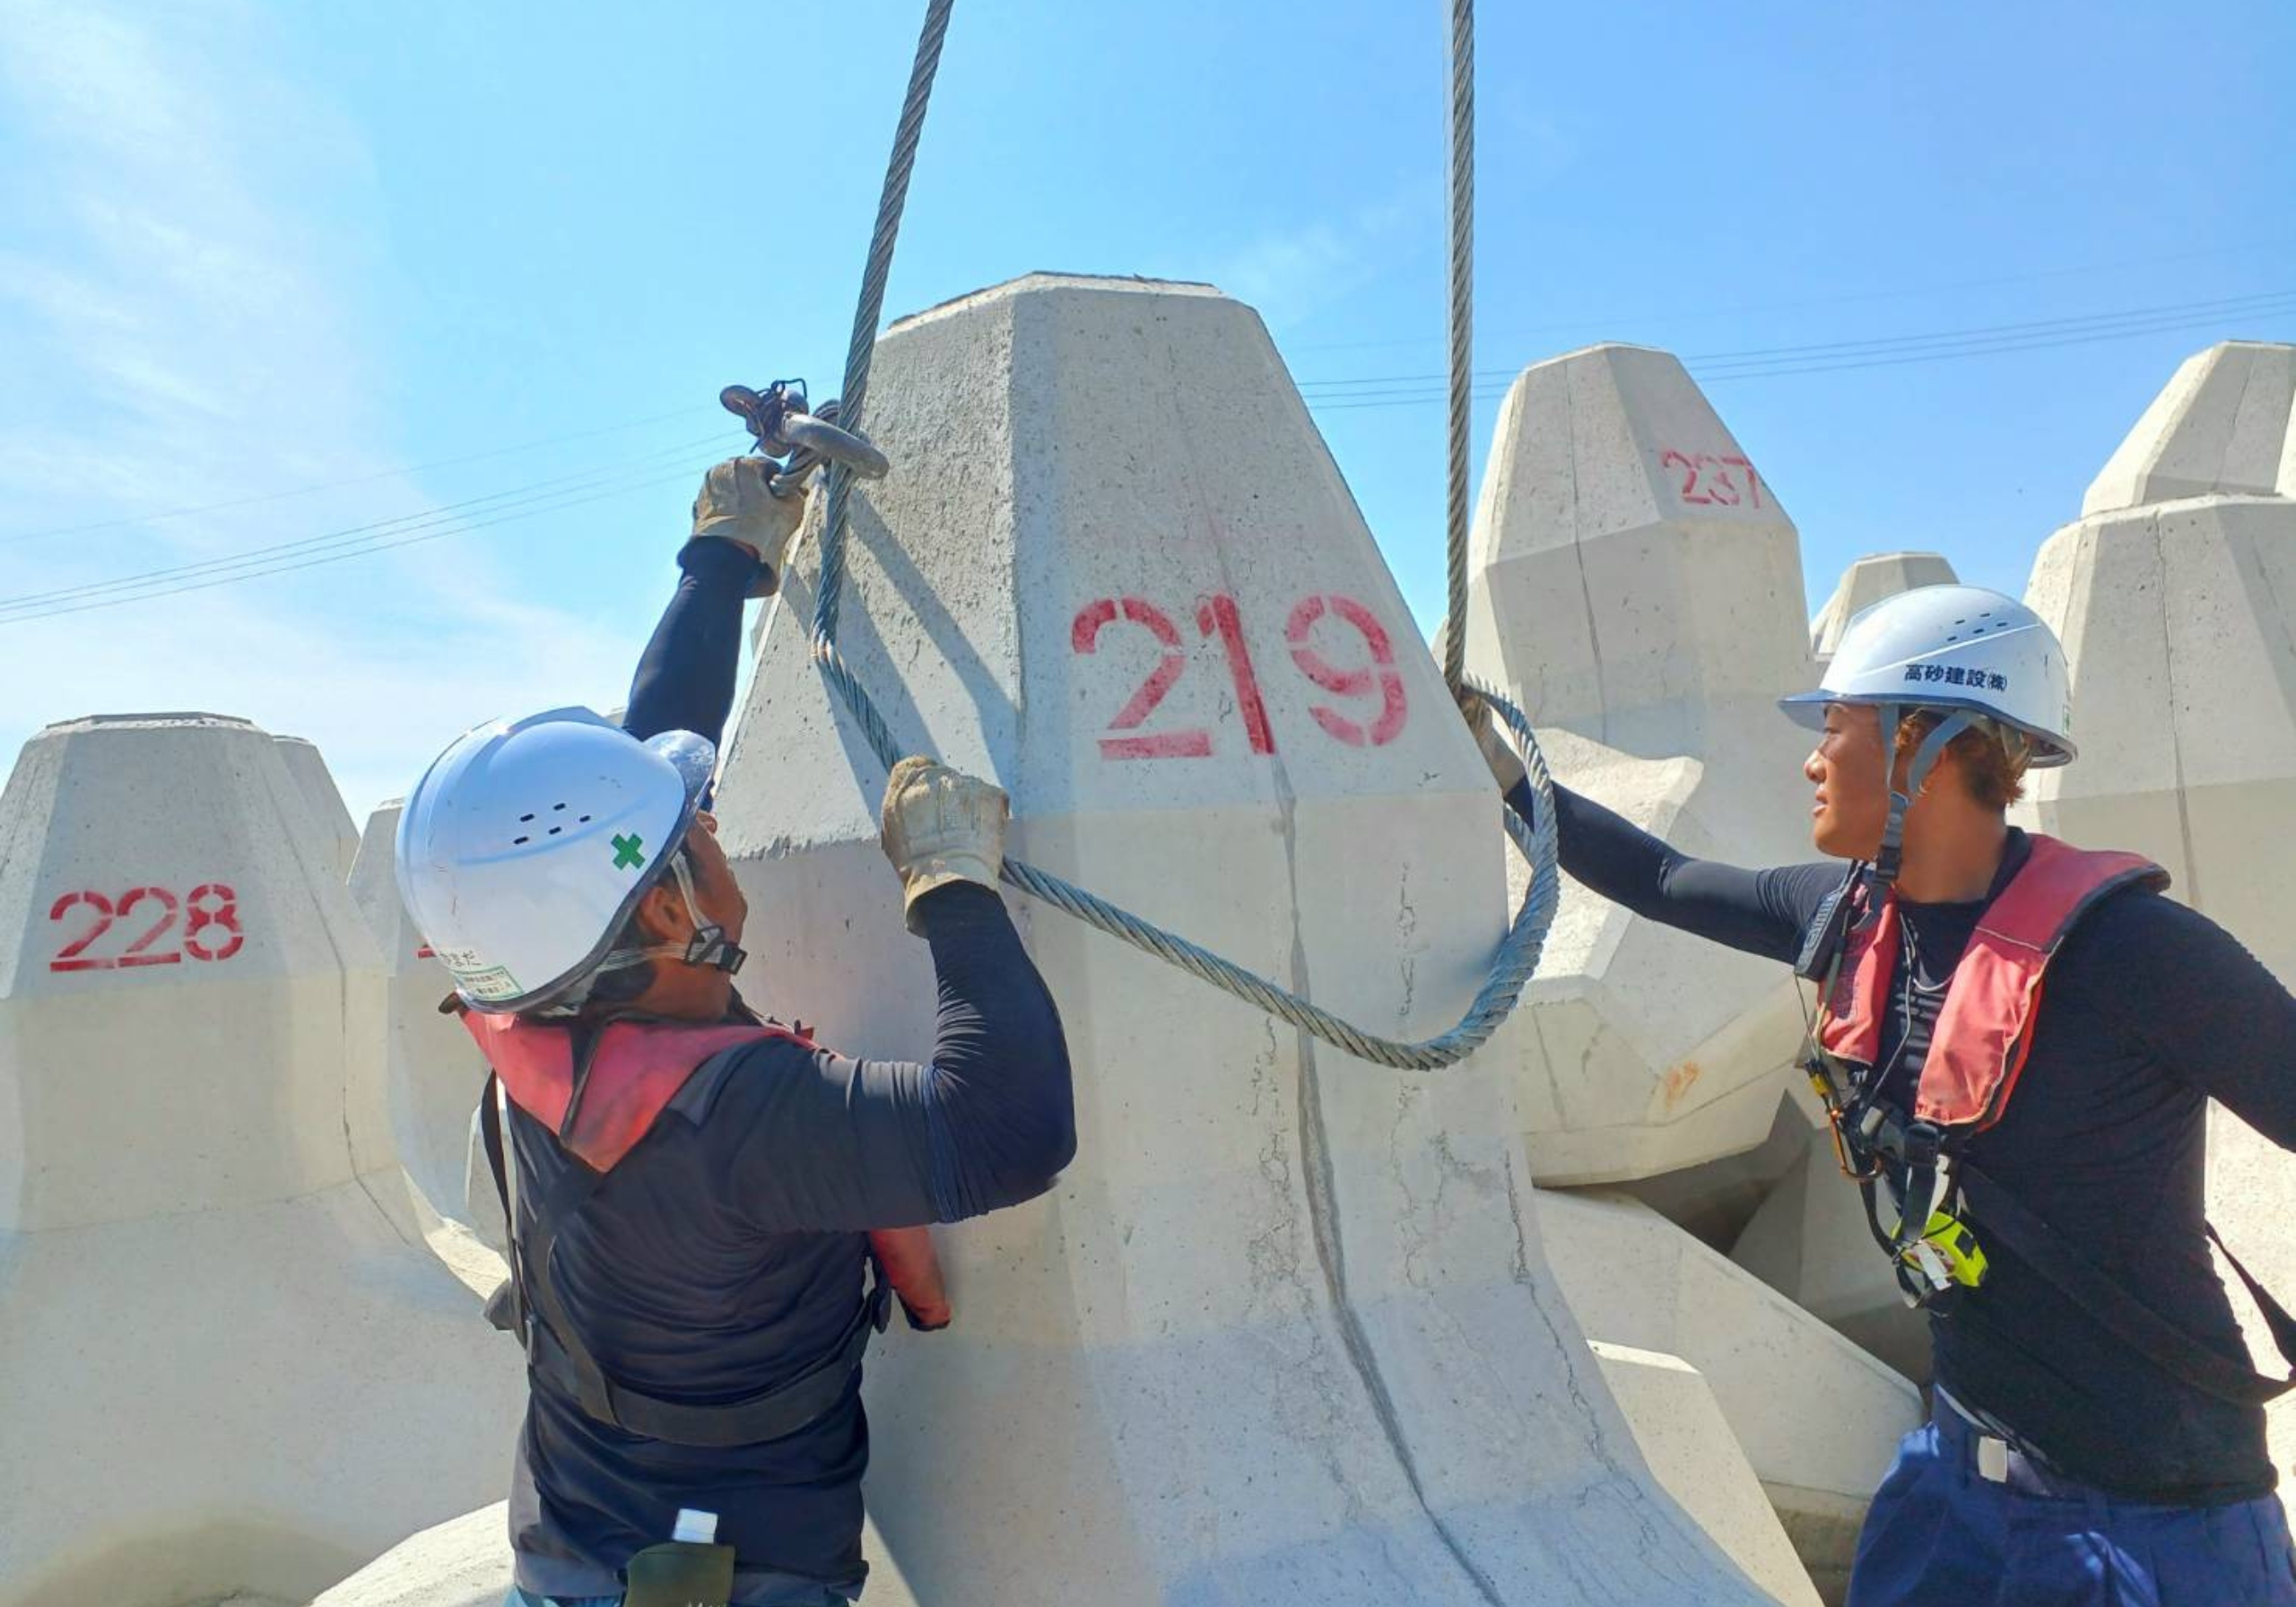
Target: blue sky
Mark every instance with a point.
(404, 253)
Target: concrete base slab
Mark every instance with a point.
(1817, 1419)
(1284, 1331)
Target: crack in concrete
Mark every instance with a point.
(1323, 1215)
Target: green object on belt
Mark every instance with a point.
(680, 1574)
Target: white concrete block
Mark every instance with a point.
(2180, 624)
(1692, 1455)
(1637, 590)
(1810, 1243)
(466, 1562)
(1867, 582)
(2220, 427)
(1818, 1419)
(1284, 1332)
(431, 1075)
(226, 1362)
(328, 813)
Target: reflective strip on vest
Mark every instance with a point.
(1977, 1046)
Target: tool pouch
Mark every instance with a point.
(680, 1574)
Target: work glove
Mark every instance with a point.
(1498, 752)
(736, 504)
(941, 826)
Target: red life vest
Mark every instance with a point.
(1985, 1030)
(638, 1070)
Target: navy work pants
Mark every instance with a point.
(1956, 1524)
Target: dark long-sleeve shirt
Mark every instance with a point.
(2149, 1010)
(725, 1255)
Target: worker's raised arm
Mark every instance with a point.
(1763, 912)
(990, 1121)
(741, 531)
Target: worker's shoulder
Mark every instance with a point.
(2137, 931)
(754, 1074)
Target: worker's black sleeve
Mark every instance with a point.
(2205, 1007)
(685, 679)
(835, 1143)
(1763, 912)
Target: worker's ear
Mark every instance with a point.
(662, 915)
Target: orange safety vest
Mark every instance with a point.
(1985, 1032)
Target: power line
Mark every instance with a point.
(329, 485)
(2260, 302)
(354, 534)
(1612, 321)
(462, 528)
(1713, 374)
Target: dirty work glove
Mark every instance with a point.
(736, 504)
(1498, 752)
(941, 826)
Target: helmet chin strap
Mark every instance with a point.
(709, 947)
(1890, 859)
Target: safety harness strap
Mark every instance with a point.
(2008, 1222)
(557, 1355)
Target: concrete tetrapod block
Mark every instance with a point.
(466, 1562)
(1637, 590)
(431, 1074)
(1284, 1332)
(1810, 1241)
(1818, 1419)
(2180, 624)
(2220, 427)
(1867, 582)
(226, 1362)
(316, 783)
(1693, 1456)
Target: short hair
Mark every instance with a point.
(1993, 756)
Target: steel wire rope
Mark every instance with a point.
(558, 502)
(1518, 954)
(1462, 320)
(349, 542)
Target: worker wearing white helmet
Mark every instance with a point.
(694, 1331)
(2017, 1041)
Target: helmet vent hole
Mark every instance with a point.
(554, 831)
(524, 818)
(558, 808)
(583, 822)
(520, 842)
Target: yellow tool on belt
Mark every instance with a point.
(1946, 1254)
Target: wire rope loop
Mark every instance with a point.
(1518, 954)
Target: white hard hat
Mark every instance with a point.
(527, 843)
(1951, 647)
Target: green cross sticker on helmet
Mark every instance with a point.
(527, 843)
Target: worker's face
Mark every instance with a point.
(1852, 806)
(714, 887)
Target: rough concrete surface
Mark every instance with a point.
(230, 1366)
(1868, 581)
(316, 783)
(432, 1075)
(1696, 1459)
(1817, 1419)
(2175, 595)
(1286, 1330)
(1636, 588)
